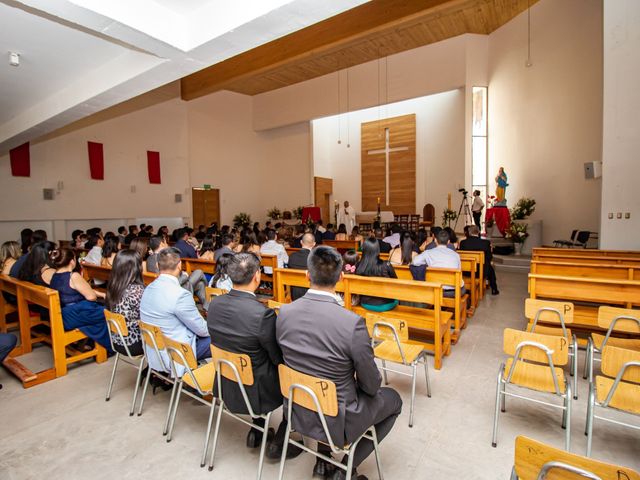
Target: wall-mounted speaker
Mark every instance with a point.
(48, 193)
(178, 198)
(592, 170)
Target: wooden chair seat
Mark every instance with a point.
(388, 350)
(628, 343)
(536, 377)
(626, 397)
(204, 375)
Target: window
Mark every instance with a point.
(479, 157)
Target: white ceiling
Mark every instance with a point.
(82, 56)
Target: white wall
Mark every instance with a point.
(107, 202)
(545, 121)
(621, 134)
(254, 170)
(440, 148)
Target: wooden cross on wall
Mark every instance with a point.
(388, 164)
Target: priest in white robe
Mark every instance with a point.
(347, 215)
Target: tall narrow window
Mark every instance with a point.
(479, 157)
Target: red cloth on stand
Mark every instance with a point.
(501, 216)
(313, 212)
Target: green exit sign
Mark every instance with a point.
(207, 186)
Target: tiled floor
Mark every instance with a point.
(65, 430)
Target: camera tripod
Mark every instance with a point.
(465, 210)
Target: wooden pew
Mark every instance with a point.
(191, 264)
(433, 335)
(96, 272)
(578, 269)
(458, 304)
(587, 294)
(6, 309)
(29, 337)
(342, 245)
(478, 256)
(582, 252)
(61, 340)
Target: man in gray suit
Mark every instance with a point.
(320, 338)
(167, 305)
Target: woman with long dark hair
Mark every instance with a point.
(403, 253)
(221, 279)
(124, 293)
(25, 239)
(207, 248)
(342, 232)
(109, 250)
(370, 265)
(141, 245)
(249, 243)
(36, 268)
(78, 300)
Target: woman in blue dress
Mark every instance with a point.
(77, 299)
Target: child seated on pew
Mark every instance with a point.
(78, 300)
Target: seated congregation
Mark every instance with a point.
(249, 321)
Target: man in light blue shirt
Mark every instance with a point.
(441, 257)
(167, 305)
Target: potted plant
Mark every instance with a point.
(518, 233)
(448, 216)
(524, 208)
(241, 219)
(297, 212)
(274, 213)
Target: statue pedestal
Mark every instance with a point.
(534, 229)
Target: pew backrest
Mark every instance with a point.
(580, 269)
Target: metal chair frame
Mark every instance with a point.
(128, 359)
(348, 450)
(593, 402)
(162, 375)
(501, 392)
(592, 350)
(223, 409)
(547, 467)
(178, 390)
(573, 344)
(420, 358)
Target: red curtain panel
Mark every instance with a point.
(153, 165)
(20, 161)
(96, 160)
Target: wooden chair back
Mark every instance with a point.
(546, 310)
(95, 272)
(175, 349)
(211, 292)
(151, 333)
(242, 362)
(531, 456)
(559, 346)
(614, 358)
(378, 329)
(117, 323)
(10, 286)
(324, 390)
(428, 213)
(626, 320)
(550, 252)
(148, 278)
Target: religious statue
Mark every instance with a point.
(501, 187)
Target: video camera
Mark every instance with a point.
(463, 191)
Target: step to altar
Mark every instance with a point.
(512, 263)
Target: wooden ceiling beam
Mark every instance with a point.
(308, 42)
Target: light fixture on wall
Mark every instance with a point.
(14, 59)
(528, 63)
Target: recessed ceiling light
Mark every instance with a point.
(14, 59)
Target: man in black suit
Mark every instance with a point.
(320, 338)
(298, 260)
(329, 234)
(474, 242)
(239, 323)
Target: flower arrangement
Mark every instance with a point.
(491, 201)
(274, 213)
(297, 212)
(241, 219)
(517, 232)
(523, 209)
(448, 216)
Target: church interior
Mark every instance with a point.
(269, 122)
